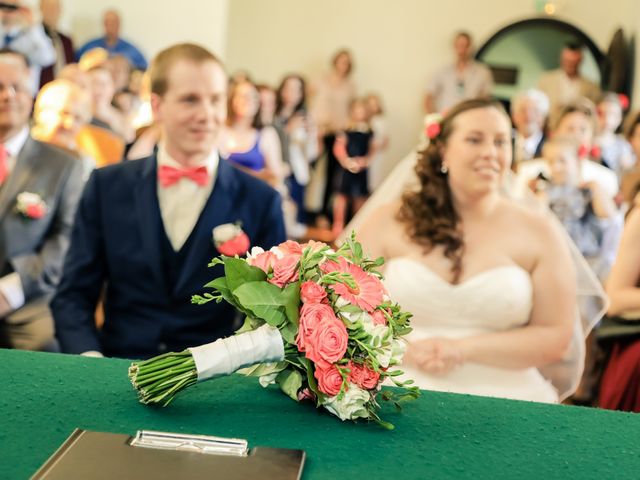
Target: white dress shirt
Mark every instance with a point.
(182, 202)
(11, 285)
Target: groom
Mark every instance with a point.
(143, 233)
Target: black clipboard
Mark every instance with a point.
(92, 455)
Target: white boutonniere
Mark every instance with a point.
(31, 206)
(230, 239)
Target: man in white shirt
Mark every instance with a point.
(144, 227)
(463, 79)
(39, 189)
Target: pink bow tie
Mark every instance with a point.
(170, 175)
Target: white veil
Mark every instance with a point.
(591, 300)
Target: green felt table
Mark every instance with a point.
(45, 396)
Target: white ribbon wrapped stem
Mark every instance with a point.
(225, 356)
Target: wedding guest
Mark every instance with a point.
(578, 121)
(267, 96)
(583, 208)
(489, 311)
(63, 45)
(330, 98)
(113, 43)
(380, 128)
(144, 227)
(566, 84)
(299, 138)
(245, 143)
(529, 111)
(20, 32)
(620, 384)
(464, 78)
(60, 111)
(632, 134)
(105, 115)
(615, 151)
(354, 151)
(39, 189)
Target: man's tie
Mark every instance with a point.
(169, 175)
(4, 168)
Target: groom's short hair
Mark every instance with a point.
(163, 61)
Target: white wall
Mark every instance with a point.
(396, 44)
(152, 25)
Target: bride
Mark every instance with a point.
(491, 283)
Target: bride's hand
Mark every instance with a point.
(436, 356)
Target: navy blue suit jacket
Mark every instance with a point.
(117, 242)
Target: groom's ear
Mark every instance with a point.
(156, 102)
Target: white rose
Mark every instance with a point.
(255, 251)
(379, 333)
(277, 252)
(391, 353)
(351, 405)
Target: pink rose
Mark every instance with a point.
(264, 261)
(314, 246)
(285, 270)
(329, 379)
(328, 342)
(311, 314)
(311, 292)
(379, 318)
(290, 248)
(236, 246)
(35, 211)
(363, 376)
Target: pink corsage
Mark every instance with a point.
(230, 240)
(31, 205)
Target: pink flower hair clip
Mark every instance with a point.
(432, 125)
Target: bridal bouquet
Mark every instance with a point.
(318, 323)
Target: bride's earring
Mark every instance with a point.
(444, 168)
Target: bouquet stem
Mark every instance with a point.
(159, 379)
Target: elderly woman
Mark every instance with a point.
(529, 111)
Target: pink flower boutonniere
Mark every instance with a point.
(230, 240)
(31, 206)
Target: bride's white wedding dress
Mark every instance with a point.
(495, 300)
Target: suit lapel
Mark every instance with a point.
(148, 215)
(218, 210)
(25, 167)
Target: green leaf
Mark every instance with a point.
(289, 332)
(311, 380)
(263, 300)
(237, 272)
(290, 382)
(263, 369)
(249, 324)
(291, 299)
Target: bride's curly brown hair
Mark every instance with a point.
(428, 213)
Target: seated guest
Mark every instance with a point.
(144, 227)
(62, 44)
(105, 115)
(632, 134)
(113, 43)
(582, 207)
(39, 189)
(529, 110)
(60, 111)
(577, 121)
(620, 385)
(21, 33)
